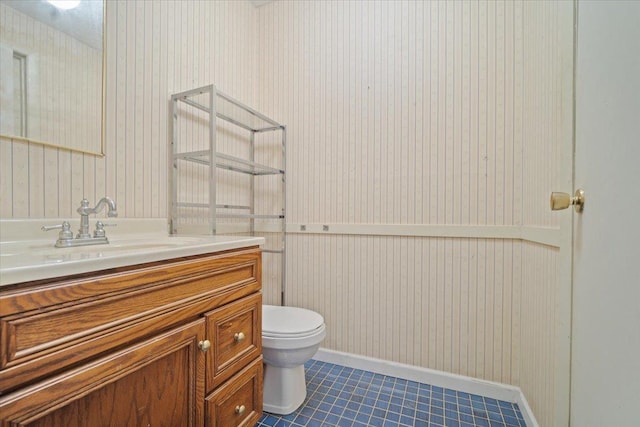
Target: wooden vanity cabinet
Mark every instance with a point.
(172, 343)
(159, 381)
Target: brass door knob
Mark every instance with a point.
(240, 409)
(238, 337)
(204, 345)
(563, 201)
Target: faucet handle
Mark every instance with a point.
(65, 228)
(99, 231)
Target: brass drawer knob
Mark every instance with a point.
(240, 409)
(238, 337)
(204, 345)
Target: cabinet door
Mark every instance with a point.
(158, 382)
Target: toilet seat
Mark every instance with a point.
(291, 336)
(291, 327)
(289, 322)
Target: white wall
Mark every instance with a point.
(447, 118)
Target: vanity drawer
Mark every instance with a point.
(235, 331)
(239, 401)
(45, 327)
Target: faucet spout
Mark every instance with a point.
(84, 210)
(113, 211)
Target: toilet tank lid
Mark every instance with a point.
(289, 320)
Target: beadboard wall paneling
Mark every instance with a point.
(153, 49)
(537, 324)
(272, 270)
(547, 95)
(410, 113)
(447, 304)
(418, 112)
(398, 112)
(196, 43)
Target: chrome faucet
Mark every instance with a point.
(65, 237)
(84, 210)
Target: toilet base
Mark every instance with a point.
(284, 389)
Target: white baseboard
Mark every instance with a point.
(470, 385)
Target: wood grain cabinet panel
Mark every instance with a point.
(135, 346)
(157, 382)
(238, 403)
(236, 330)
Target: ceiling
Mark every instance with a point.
(83, 23)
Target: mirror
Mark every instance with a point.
(51, 73)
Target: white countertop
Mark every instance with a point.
(136, 242)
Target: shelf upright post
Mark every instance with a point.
(252, 188)
(212, 160)
(173, 167)
(283, 223)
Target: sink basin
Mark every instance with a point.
(28, 260)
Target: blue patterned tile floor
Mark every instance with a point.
(341, 396)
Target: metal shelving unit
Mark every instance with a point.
(209, 104)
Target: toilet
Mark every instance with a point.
(290, 337)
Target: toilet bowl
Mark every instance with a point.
(290, 337)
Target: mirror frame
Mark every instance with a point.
(101, 153)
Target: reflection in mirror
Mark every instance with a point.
(51, 66)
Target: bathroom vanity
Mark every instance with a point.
(171, 338)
